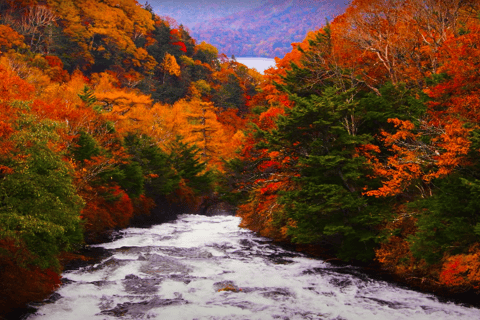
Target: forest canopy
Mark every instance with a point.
(361, 144)
(109, 115)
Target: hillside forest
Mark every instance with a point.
(362, 144)
(246, 30)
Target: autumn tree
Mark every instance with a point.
(191, 169)
(39, 210)
(206, 53)
(9, 38)
(203, 130)
(170, 66)
(85, 143)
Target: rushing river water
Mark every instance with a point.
(200, 267)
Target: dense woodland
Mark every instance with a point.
(362, 143)
(108, 113)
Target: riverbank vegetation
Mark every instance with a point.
(363, 141)
(109, 115)
(366, 142)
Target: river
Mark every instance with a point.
(201, 267)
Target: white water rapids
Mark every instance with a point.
(177, 271)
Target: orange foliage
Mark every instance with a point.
(12, 87)
(230, 121)
(258, 215)
(400, 169)
(462, 271)
(398, 41)
(269, 93)
(56, 71)
(9, 38)
(452, 116)
(267, 119)
(203, 129)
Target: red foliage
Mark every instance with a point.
(21, 282)
(230, 120)
(175, 35)
(267, 118)
(270, 188)
(54, 61)
(181, 44)
(462, 271)
(12, 87)
(452, 271)
(142, 205)
(269, 165)
(186, 196)
(106, 208)
(56, 71)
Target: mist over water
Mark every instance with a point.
(201, 267)
(261, 64)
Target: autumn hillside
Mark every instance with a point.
(367, 143)
(361, 145)
(109, 115)
(264, 28)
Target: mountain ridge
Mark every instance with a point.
(262, 29)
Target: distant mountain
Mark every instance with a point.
(264, 28)
(191, 12)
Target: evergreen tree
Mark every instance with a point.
(154, 163)
(186, 161)
(328, 205)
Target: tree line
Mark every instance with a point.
(109, 115)
(362, 143)
(365, 146)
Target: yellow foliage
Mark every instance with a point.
(194, 120)
(143, 59)
(22, 66)
(187, 60)
(204, 130)
(170, 65)
(67, 92)
(208, 48)
(199, 88)
(117, 22)
(120, 103)
(234, 143)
